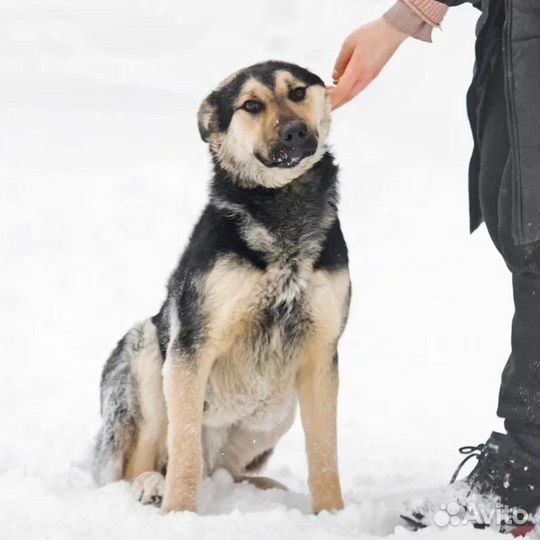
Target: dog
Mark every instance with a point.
(253, 313)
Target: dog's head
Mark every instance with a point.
(267, 124)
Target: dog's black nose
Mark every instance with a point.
(293, 134)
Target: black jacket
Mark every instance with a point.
(519, 31)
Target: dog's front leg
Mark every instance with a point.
(317, 385)
(184, 381)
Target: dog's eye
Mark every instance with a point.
(252, 106)
(297, 94)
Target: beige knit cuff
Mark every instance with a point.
(431, 11)
(407, 18)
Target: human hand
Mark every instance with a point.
(362, 57)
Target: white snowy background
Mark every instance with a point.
(103, 174)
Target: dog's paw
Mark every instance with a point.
(328, 504)
(188, 504)
(148, 488)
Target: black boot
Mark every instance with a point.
(504, 471)
(502, 491)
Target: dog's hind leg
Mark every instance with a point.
(146, 461)
(132, 438)
(119, 411)
(149, 448)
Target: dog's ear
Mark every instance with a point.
(207, 117)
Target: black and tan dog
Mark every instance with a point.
(253, 313)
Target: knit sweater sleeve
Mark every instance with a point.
(416, 18)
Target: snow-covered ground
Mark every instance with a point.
(102, 175)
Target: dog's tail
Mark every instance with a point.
(120, 409)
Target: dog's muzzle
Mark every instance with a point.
(295, 143)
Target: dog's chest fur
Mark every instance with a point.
(260, 321)
(249, 284)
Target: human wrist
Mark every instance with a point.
(392, 33)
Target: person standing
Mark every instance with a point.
(503, 104)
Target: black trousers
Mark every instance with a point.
(519, 397)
